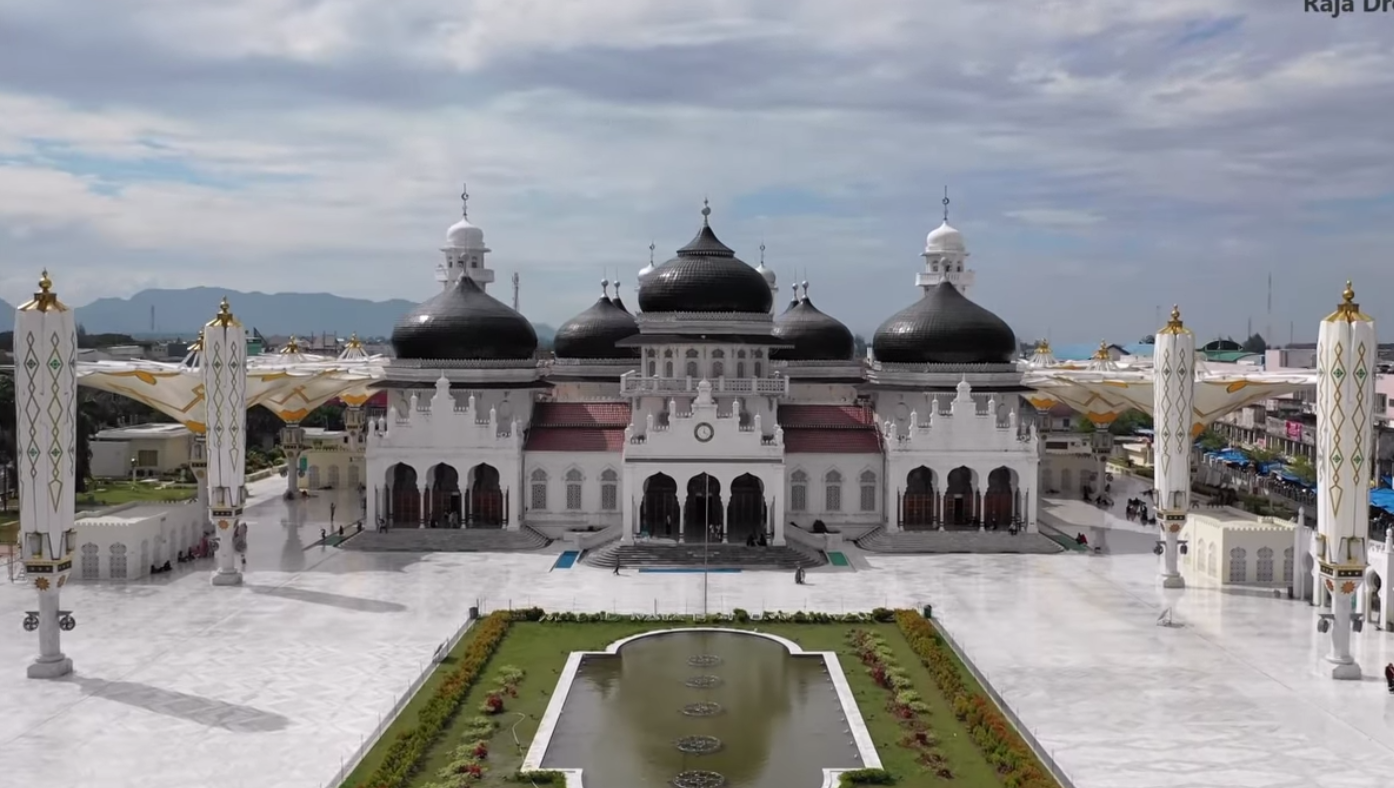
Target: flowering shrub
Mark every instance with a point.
(408, 749)
(991, 732)
(735, 617)
(903, 703)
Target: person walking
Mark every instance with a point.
(617, 566)
(1389, 677)
(331, 512)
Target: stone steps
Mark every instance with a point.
(447, 540)
(919, 542)
(651, 555)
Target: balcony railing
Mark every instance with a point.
(634, 385)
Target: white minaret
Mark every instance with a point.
(45, 352)
(1173, 402)
(464, 252)
(1346, 355)
(225, 398)
(945, 257)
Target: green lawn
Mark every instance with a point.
(100, 495)
(541, 649)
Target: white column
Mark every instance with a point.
(225, 385)
(1346, 354)
(423, 491)
(198, 463)
(45, 372)
(1173, 398)
(292, 444)
(515, 507)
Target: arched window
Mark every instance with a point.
(868, 491)
(667, 369)
(692, 353)
(718, 369)
(1287, 565)
(798, 491)
(668, 353)
(1263, 568)
(1238, 565)
(718, 353)
(538, 499)
(609, 490)
(651, 353)
(692, 369)
(832, 492)
(653, 368)
(740, 354)
(573, 490)
(757, 369)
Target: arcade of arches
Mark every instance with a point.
(926, 500)
(725, 513)
(440, 501)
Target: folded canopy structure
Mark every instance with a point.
(1102, 394)
(290, 385)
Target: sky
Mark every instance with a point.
(1104, 158)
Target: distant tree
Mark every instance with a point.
(1150, 339)
(1255, 344)
(1302, 468)
(1084, 425)
(1211, 440)
(859, 345)
(1130, 421)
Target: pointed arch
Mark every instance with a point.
(832, 491)
(574, 489)
(919, 503)
(798, 490)
(658, 510)
(867, 490)
(537, 490)
(609, 490)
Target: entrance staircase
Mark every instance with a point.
(916, 542)
(689, 555)
(447, 540)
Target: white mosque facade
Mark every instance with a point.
(706, 410)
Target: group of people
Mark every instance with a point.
(1136, 511)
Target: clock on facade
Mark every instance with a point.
(704, 432)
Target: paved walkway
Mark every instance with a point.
(281, 678)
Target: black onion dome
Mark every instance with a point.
(594, 332)
(816, 335)
(945, 327)
(464, 322)
(706, 276)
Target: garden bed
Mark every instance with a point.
(502, 676)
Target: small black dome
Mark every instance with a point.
(464, 322)
(706, 276)
(945, 327)
(594, 332)
(816, 336)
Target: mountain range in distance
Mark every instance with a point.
(182, 312)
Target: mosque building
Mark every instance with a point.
(708, 410)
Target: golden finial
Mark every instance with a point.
(1102, 353)
(292, 347)
(1043, 347)
(197, 345)
(1348, 310)
(1174, 325)
(353, 343)
(224, 318)
(45, 299)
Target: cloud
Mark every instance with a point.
(289, 144)
(1057, 218)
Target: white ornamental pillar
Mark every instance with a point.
(292, 446)
(1173, 403)
(45, 371)
(225, 396)
(1346, 355)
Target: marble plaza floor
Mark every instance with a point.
(272, 684)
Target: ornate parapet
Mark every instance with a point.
(703, 432)
(441, 423)
(962, 425)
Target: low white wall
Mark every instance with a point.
(823, 542)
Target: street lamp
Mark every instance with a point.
(133, 470)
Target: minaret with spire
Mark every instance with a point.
(945, 257)
(225, 386)
(1173, 398)
(464, 251)
(769, 277)
(1346, 355)
(45, 373)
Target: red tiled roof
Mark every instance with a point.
(578, 426)
(574, 439)
(581, 414)
(862, 441)
(826, 417)
(829, 429)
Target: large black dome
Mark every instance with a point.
(816, 335)
(463, 322)
(594, 332)
(706, 276)
(945, 327)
